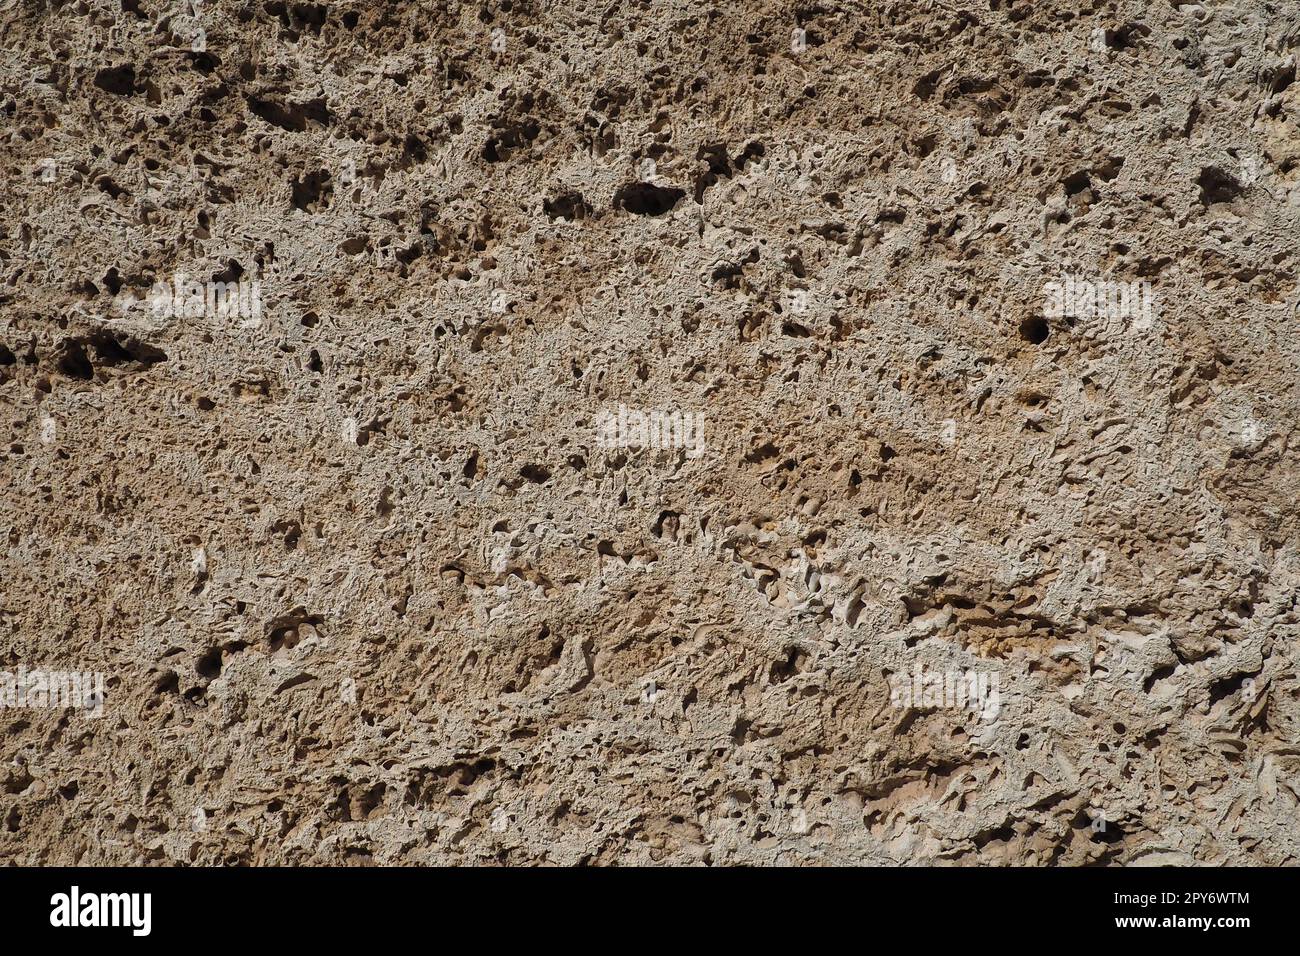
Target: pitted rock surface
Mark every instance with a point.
(364, 581)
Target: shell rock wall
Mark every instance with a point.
(650, 433)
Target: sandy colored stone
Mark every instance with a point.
(366, 587)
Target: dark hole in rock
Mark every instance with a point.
(117, 79)
(293, 117)
(1217, 186)
(1035, 330)
(510, 138)
(647, 199)
(74, 363)
(569, 205)
(203, 62)
(209, 665)
(715, 156)
(113, 351)
(312, 191)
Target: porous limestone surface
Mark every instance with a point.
(650, 432)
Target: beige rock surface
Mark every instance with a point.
(382, 563)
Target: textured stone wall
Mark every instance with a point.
(655, 432)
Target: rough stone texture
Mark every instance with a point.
(364, 585)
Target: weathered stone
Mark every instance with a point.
(755, 433)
